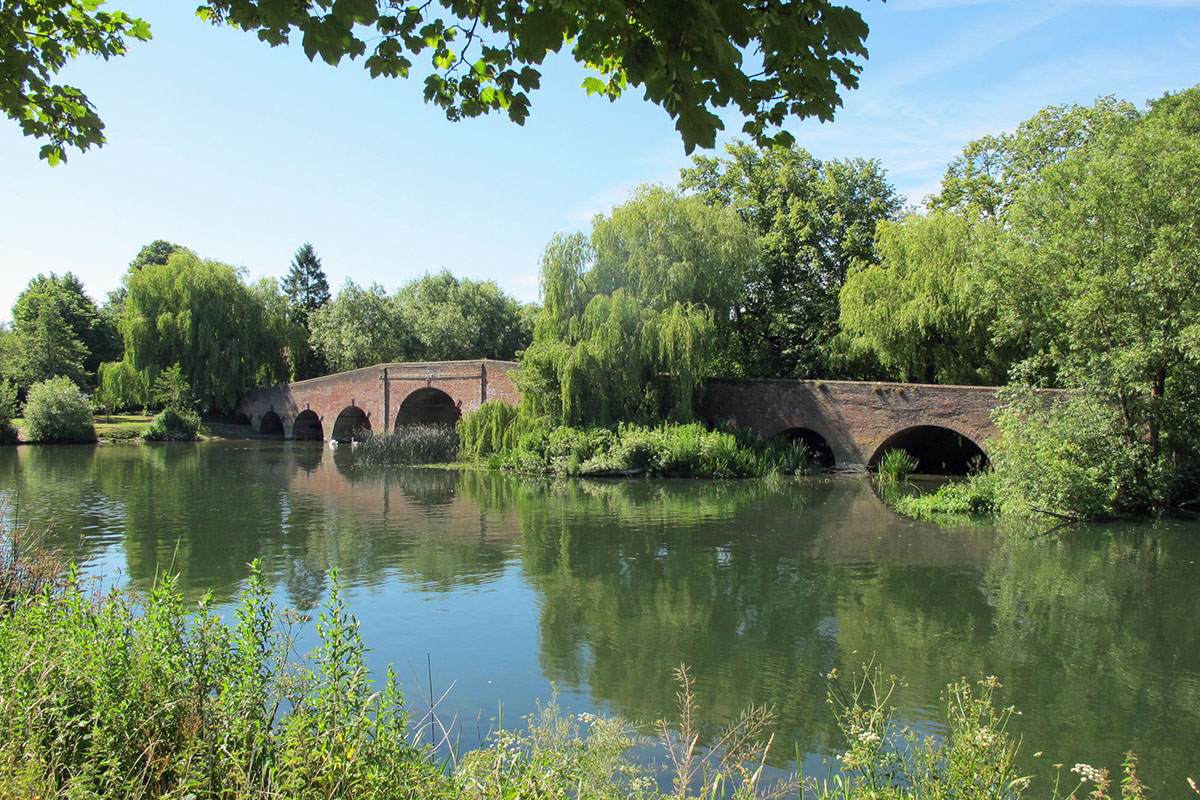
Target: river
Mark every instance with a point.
(505, 589)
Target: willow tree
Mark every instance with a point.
(637, 314)
(200, 314)
(927, 306)
(812, 220)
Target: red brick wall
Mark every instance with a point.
(468, 383)
(855, 418)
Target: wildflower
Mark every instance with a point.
(1087, 772)
(868, 737)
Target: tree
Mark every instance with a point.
(457, 318)
(1108, 234)
(94, 330)
(45, 347)
(926, 309)
(629, 326)
(813, 219)
(436, 317)
(767, 61)
(361, 327)
(157, 252)
(37, 38)
(225, 336)
(991, 173)
(307, 290)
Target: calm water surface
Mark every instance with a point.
(502, 587)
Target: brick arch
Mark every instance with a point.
(429, 405)
(837, 451)
(938, 448)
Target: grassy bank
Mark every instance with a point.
(130, 427)
(145, 697)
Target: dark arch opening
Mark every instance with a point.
(818, 449)
(352, 423)
(271, 425)
(428, 407)
(938, 450)
(307, 427)
(241, 419)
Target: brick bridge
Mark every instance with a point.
(847, 424)
(377, 398)
(851, 424)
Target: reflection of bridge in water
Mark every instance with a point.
(848, 424)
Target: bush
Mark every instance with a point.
(57, 411)
(172, 425)
(1075, 458)
(670, 451)
(973, 497)
(8, 410)
(410, 444)
(119, 698)
(493, 429)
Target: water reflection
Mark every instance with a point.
(605, 587)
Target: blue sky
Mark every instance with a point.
(242, 152)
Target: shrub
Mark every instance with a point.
(112, 697)
(8, 410)
(172, 425)
(56, 411)
(410, 444)
(895, 466)
(1075, 458)
(975, 496)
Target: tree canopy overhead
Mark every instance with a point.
(765, 61)
(37, 39)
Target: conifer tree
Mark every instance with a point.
(307, 290)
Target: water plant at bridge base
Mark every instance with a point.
(410, 444)
(895, 466)
(671, 451)
(974, 496)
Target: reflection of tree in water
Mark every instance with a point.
(630, 592)
(1085, 630)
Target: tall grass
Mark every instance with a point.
(117, 696)
(410, 444)
(668, 450)
(895, 466)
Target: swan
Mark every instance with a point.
(333, 443)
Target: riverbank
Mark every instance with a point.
(129, 427)
(149, 697)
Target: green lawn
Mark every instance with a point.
(119, 427)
